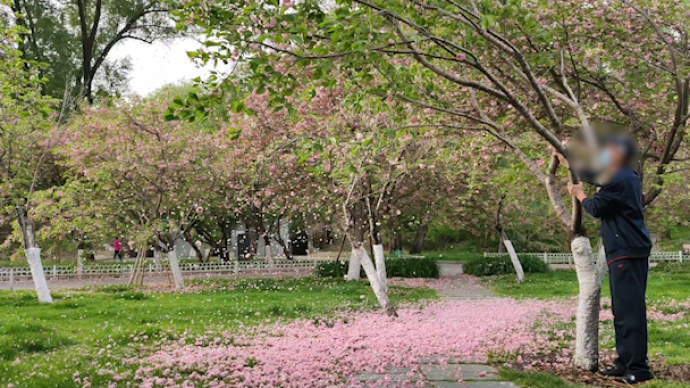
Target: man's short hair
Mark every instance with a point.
(626, 144)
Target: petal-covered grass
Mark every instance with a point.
(529, 334)
(300, 333)
(546, 380)
(668, 300)
(87, 331)
(304, 354)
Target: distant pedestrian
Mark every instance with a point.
(117, 247)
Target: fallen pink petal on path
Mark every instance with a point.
(328, 353)
(304, 354)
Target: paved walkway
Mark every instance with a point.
(464, 288)
(440, 372)
(438, 375)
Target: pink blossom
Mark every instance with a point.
(308, 354)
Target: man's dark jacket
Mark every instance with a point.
(619, 206)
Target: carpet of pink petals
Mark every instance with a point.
(328, 353)
(307, 354)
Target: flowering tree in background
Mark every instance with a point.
(25, 123)
(522, 73)
(372, 160)
(269, 184)
(149, 172)
(69, 219)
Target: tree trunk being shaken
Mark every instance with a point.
(587, 320)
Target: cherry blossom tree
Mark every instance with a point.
(529, 75)
(258, 179)
(26, 118)
(371, 160)
(149, 172)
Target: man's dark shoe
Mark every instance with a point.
(631, 380)
(613, 373)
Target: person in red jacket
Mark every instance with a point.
(117, 247)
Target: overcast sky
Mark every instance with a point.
(159, 64)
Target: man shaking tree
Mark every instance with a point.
(618, 204)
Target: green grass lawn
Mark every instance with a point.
(669, 342)
(545, 380)
(90, 330)
(667, 281)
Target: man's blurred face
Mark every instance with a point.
(613, 157)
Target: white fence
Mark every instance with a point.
(567, 258)
(12, 274)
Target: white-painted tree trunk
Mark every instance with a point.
(587, 321)
(33, 256)
(175, 269)
(157, 260)
(380, 261)
(516, 261)
(269, 255)
(375, 281)
(602, 264)
(355, 266)
(80, 261)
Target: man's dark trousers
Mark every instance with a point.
(628, 283)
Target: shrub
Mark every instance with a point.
(672, 267)
(412, 268)
(331, 269)
(454, 256)
(402, 268)
(490, 266)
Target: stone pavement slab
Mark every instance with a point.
(390, 375)
(462, 288)
(475, 384)
(439, 376)
(437, 359)
(455, 372)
